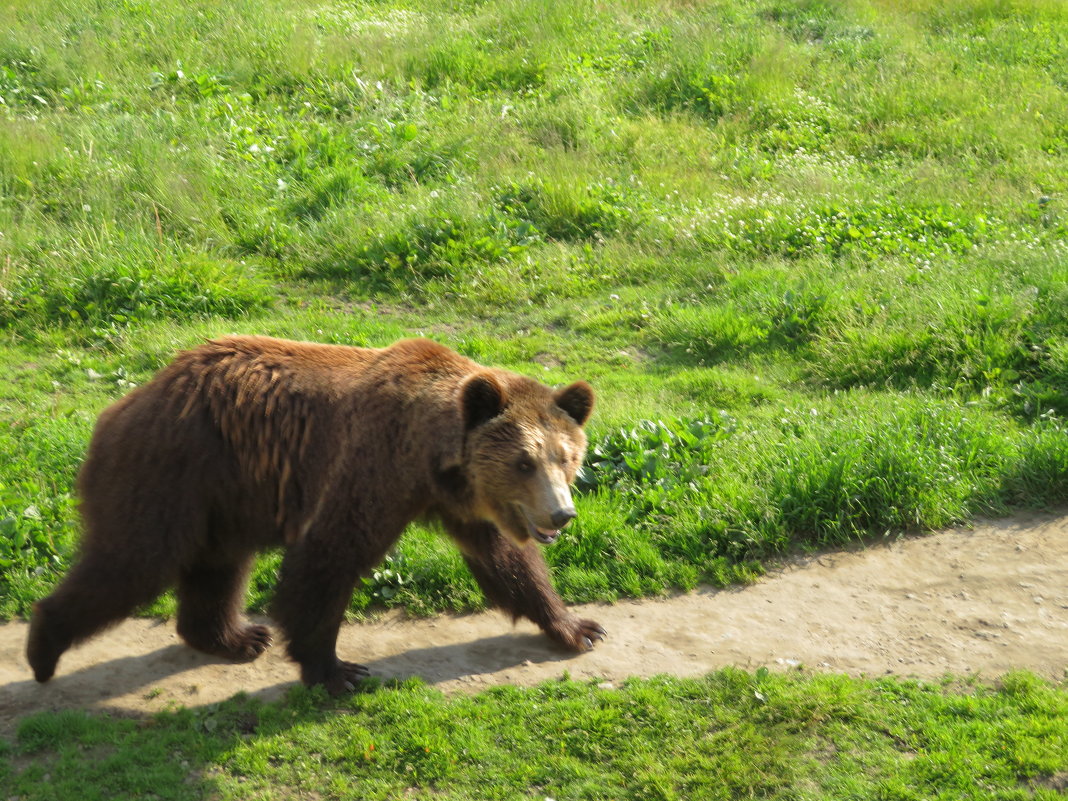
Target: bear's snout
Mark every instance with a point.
(561, 517)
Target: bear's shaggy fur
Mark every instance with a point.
(247, 443)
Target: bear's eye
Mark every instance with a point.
(525, 464)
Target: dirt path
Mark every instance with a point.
(984, 600)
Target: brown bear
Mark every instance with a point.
(247, 443)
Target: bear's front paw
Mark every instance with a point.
(577, 634)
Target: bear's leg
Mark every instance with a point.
(313, 593)
(99, 591)
(211, 598)
(517, 580)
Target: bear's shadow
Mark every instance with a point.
(126, 675)
(444, 663)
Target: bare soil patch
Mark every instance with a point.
(983, 600)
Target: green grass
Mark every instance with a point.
(812, 255)
(726, 736)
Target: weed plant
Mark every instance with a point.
(812, 255)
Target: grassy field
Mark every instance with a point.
(812, 255)
(731, 735)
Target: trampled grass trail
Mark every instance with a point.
(978, 602)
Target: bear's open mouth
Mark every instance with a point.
(545, 536)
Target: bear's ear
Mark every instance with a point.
(576, 400)
(481, 399)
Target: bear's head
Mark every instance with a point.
(523, 445)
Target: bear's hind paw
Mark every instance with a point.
(252, 641)
(340, 678)
(239, 645)
(44, 649)
(350, 674)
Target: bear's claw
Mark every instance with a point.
(346, 677)
(594, 631)
(577, 634)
